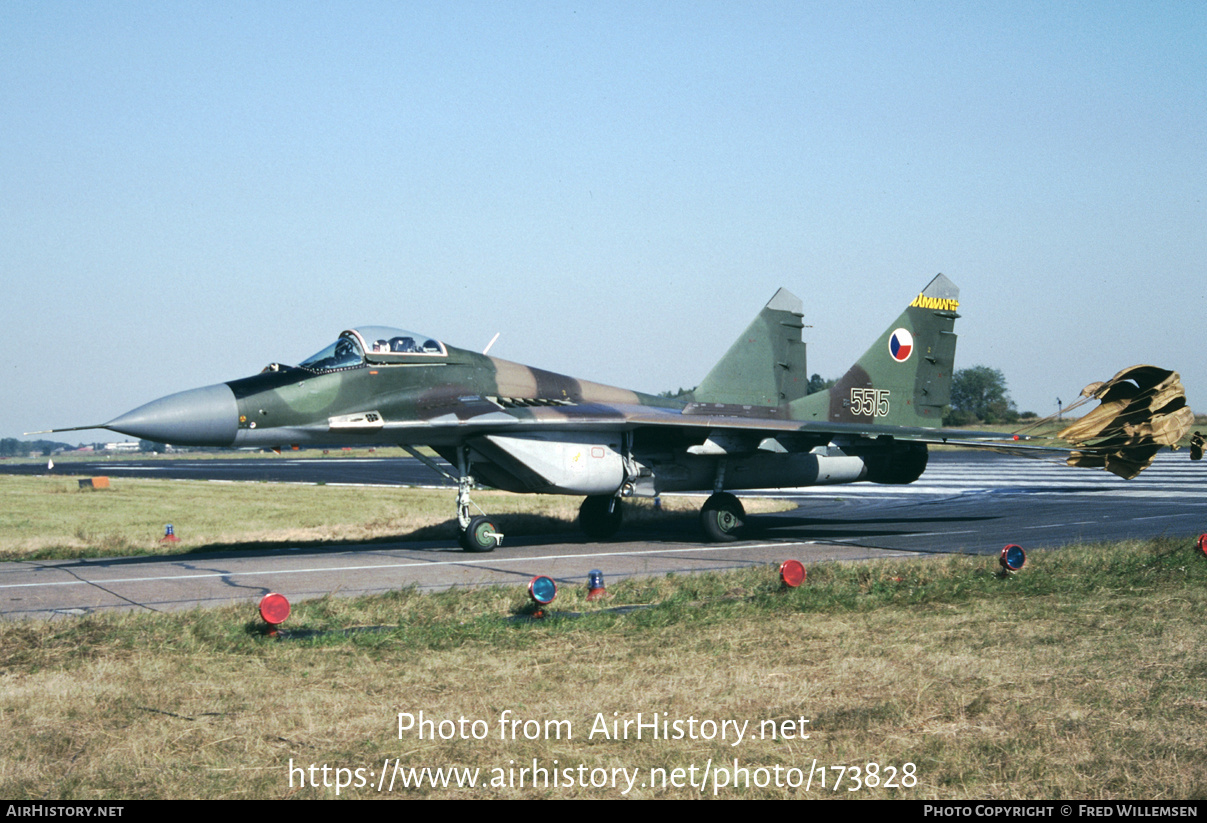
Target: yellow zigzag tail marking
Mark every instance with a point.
(938, 303)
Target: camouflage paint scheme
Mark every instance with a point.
(749, 424)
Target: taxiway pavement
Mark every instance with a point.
(965, 502)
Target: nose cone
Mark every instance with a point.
(198, 417)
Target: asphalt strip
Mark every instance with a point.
(485, 561)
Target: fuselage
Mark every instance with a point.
(524, 429)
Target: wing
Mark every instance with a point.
(474, 416)
(600, 449)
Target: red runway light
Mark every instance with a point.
(274, 608)
(793, 573)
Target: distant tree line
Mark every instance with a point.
(979, 395)
(12, 447)
(817, 383)
(681, 394)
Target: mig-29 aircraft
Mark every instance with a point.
(749, 425)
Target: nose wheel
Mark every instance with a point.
(480, 536)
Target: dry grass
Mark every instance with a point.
(1082, 677)
(48, 517)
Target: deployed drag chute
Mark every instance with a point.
(1141, 409)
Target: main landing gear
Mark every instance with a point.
(722, 517)
(600, 516)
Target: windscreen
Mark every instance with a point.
(344, 353)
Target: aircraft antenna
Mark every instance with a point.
(492, 342)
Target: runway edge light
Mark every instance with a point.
(169, 535)
(1203, 544)
(1013, 558)
(595, 585)
(542, 590)
(274, 609)
(792, 573)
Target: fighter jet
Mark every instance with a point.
(750, 424)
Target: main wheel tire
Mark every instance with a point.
(480, 536)
(596, 521)
(722, 518)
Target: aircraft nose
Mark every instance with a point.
(199, 417)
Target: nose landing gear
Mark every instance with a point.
(476, 533)
(480, 535)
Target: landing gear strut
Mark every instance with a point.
(476, 533)
(600, 516)
(722, 517)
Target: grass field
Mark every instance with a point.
(50, 517)
(1083, 676)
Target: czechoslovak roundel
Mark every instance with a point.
(900, 345)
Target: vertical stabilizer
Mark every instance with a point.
(766, 365)
(904, 379)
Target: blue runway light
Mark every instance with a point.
(542, 589)
(595, 585)
(1013, 558)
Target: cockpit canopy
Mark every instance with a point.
(373, 344)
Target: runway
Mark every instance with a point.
(965, 502)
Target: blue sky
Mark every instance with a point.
(193, 190)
